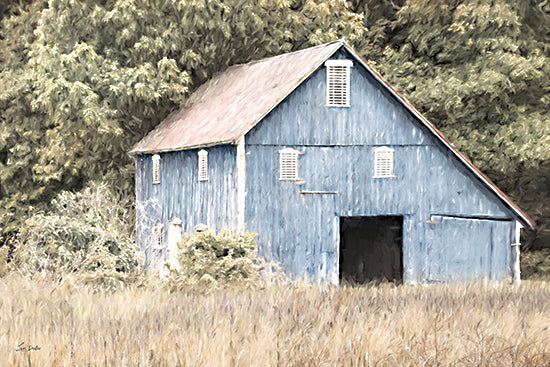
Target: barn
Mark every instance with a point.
(338, 174)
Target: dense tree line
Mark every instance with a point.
(81, 81)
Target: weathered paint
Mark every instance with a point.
(457, 226)
(468, 249)
(180, 193)
(298, 230)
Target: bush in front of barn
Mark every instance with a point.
(229, 257)
(85, 238)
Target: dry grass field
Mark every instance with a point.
(46, 325)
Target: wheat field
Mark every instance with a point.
(46, 324)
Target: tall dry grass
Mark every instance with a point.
(471, 325)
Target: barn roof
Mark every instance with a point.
(226, 107)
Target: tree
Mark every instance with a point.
(479, 70)
(82, 81)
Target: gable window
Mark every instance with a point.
(156, 168)
(383, 162)
(338, 75)
(288, 164)
(203, 165)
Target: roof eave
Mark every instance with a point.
(135, 152)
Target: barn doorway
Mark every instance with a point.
(371, 249)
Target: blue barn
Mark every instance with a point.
(338, 174)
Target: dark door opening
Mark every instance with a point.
(371, 249)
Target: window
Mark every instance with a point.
(156, 168)
(203, 165)
(288, 164)
(383, 162)
(338, 75)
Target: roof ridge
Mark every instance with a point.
(286, 54)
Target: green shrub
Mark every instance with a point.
(535, 264)
(85, 236)
(228, 257)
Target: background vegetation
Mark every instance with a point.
(82, 81)
(84, 238)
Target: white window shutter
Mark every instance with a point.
(203, 165)
(338, 83)
(156, 168)
(288, 164)
(383, 162)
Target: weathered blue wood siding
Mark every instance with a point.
(180, 193)
(454, 229)
(301, 230)
(475, 252)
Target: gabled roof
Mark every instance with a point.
(226, 107)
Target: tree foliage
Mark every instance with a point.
(81, 81)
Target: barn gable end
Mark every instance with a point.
(338, 165)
